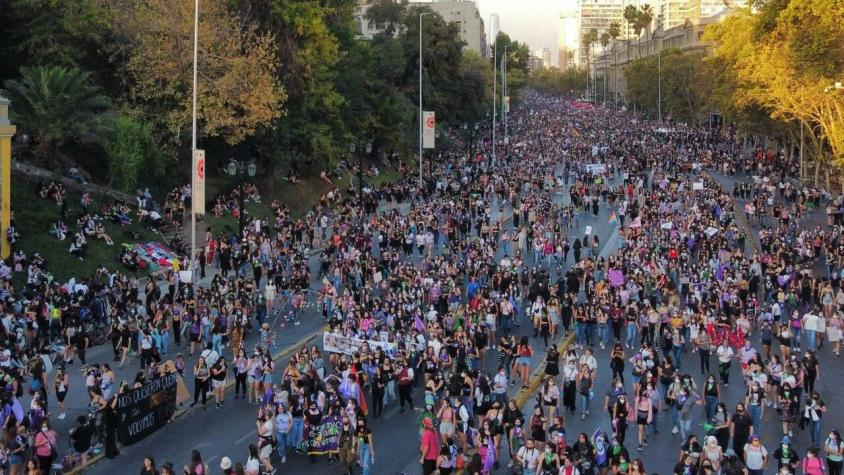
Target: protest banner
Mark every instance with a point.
(325, 437)
(144, 410)
(349, 345)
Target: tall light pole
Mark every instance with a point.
(193, 140)
(504, 111)
(659, 83)
(494, 93)
(420, 96)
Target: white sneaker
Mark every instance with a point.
(284, 460)
(675, 430)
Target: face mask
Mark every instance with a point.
(44, 429)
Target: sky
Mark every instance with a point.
(534, 22)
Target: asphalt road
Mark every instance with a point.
(230, 430)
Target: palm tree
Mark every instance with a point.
(587, 44)
(631, 15)
(605, 40)
(646, 17)
(55, 103)
(615, 32)
(589, 40)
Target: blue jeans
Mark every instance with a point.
(711, 403)
(165, 341)
(685, 428)
(810, 340)
(580, 333)
(816, 432)
(217, 343)
(296, 433)
(675, 416)
(584, 403)
(631, 335)
(365, 459)
(755, 412)
(677, 350)
(283, 439)
(604, 333)
(390, 392)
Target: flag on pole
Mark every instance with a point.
(613, 218)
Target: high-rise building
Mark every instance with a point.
(569, 38)
(462, 12)
(599, 14)
(673, 13)
(465, 13)
(545, 54)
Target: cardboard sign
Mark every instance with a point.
(144, 410)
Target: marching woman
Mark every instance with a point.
(789, 403)
(584, 389)
(570, 374)
(644, 414)
(834, 450)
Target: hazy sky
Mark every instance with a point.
(532, 21)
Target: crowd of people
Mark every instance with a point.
(456, 290)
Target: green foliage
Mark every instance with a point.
(132, 153)
(565, 83)
(687, 85)
(55, 104)
(59, 32)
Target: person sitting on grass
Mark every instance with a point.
(59, 230)
(78, 246)
(100, 233)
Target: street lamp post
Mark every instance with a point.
(193, 138)
(240, 169)
(368, 149)
(420, 95)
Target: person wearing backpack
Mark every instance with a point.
(812, 464)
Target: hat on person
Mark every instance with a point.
(226, 463)
(428, 423)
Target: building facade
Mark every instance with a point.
(599, 15)
(462, 12)
(612, 64)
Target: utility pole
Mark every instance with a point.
(494, 93)
(420, 96)
(192, 265)
(659, 83)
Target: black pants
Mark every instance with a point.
(404, 395)
(177, 331)
(724, 372)
(378, 402)
(704, 361)
(834, 467)
(200, 388)
(240, 382)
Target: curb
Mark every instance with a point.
(229, 383)
(538, 375)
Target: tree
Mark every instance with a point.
(133, 153)
(615, 32)
(605, 40)
(238, 90)
(783, 60)
(646, 17)
(631, 16)
(56, 104)
(589, 39)
(63, 33)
